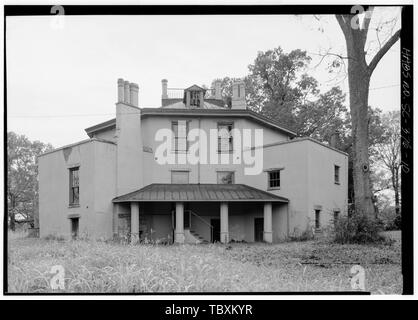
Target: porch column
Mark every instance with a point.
(268, 231)
(115, 220)
(224, 223)
(179, 233)
(134, 222)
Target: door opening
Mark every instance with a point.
(216, 230)
(258, 229)
(74, 228)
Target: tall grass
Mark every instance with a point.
(92, 266)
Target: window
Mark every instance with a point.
(180, 177)
(225, 142)
(336, 216)
(74, 186)
(317, 219)
(195, 98)
(336, 174)
(274, 179)
(225, 177)
(180, 129)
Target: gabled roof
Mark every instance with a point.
(221, 112)
(195, 87)
(199, 192)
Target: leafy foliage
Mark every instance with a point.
(357, 229)
(278, 87)
(22, 184)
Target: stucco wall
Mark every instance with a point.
(54, 209)
(203, 173)
(109, 135)
(323, 192)
(96, 180)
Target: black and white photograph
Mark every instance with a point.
(208, 150)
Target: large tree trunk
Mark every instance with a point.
(395, 182)
(358, 80)
(359, 73)
(12, 213)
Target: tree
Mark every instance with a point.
(278, 87)
(388, 152)
(359, 74)
(22, 184)
(376, 131)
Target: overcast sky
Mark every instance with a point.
(63, 80)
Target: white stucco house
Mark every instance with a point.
(121, 182)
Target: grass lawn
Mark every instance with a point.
(293, 266)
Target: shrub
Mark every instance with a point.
(357, 229)
(307, 234)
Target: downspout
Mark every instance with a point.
(198, 163)
(288, 224)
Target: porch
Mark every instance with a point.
(199, 214)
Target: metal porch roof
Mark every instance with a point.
(199, 192)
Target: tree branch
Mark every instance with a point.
(341, 21)
(379, 55)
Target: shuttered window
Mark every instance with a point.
(180, 129)
(225, 140)
(74, 186)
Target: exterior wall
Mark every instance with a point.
(96, 179)
(203, 173)
(323, 192)
(109, 135)
(104, 189)
(307, 180)
(107, 170)
(129, 149)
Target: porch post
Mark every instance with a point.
(179, 233)
(268, 231)
(224, 223)
(115, 220)
(134, 222)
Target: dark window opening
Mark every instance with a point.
(74, 186)
(336, 216)
(317, 219)
(337, 174)
(274, 179)
(195, 98)
(74, 228)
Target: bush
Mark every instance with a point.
(358, 229)
(306, 235)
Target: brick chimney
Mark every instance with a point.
(334, 140)
(128, 92)
(218, 92)
(238, 95)
(121, 89)
(164, 84)
(133, 90)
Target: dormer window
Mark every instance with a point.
(194, 97)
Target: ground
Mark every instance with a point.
(92, 266)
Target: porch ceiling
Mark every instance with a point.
(199, 192)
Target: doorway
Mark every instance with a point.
(74, 228)
(216, 230)
(258, 229)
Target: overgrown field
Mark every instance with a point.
(107, 267)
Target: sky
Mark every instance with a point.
(62, 78)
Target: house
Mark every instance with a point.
(193, 170)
